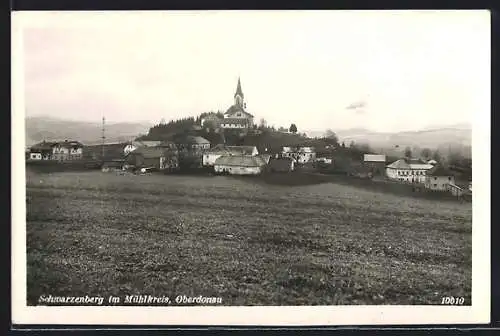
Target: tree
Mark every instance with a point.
(408, 152)
(263, 123)
(352, 144)
(426, 153)
(332, 137)
(343, 144)
(436, 156)
(293, 128)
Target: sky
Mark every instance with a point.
(397, 70)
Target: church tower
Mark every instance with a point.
(238, 96)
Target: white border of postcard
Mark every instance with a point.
(478, 312)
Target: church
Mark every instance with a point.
(236, 116)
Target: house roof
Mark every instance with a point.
(439, 171)
(146, 143)
(236, 108)
(306, 149)
(374, 158)
(44, 145)
(399, 164)
(232, 150)
(148, 152)
(409, 164)
(241, 150)
(240, 161)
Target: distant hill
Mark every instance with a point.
(48, 128)
(455, 135)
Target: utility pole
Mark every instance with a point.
(103, 137)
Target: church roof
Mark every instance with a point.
(238, 89)
(236, 108)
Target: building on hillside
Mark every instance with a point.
(455, 190)
(193, 143)
(42, 150)
(152, 157)
(375, 163)
(432, 162)
(438, 178)
(324, 157)
(470, 186)
(236, 116)
(282, 165)
(113, 165)
(239, 165)
(140, 143)
(111, 151)
(212, 154)
(211, 121)
(301, 154)
(407, 170)
(61, 151)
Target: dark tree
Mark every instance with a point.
(293, 128)
(436, 156)
(332, 137)
(426, 153)
(408, 152)
(343, 144)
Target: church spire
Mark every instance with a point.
(238, 96)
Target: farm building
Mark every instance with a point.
(438, 178)
(111, 151)
(455, 190)
(299, 154)
(61, 151)
(192, 143)
(113, 165)
(239, 165)
(306, 154)
(140, 143)
(152, 157)
(405, 170)
(325, 157)
(375, 163)
(281, 165)
(212, 154)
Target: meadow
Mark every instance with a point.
(251, 243)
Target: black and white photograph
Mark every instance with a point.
(282, 167)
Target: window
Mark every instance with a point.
(435, 178)
(435, 185)
(449, 178)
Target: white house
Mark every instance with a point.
(413, 171)
(306, 154)
(35, 156)
(299, 154)
(239, 165)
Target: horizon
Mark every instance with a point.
(83, 66)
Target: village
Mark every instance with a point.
(189, 152)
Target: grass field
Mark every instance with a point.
(92, 233)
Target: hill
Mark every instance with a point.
(48, 128)
(457, 135)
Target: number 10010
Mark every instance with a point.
(450, 300)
